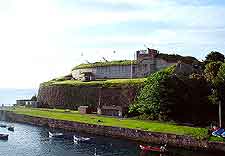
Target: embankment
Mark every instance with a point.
(133, 134)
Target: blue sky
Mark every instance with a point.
(43, 39)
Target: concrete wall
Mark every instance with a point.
(142, 69)
(123, 71)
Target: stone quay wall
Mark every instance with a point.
(182, 141)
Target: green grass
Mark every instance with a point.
(216, 139)
(102, 64)
(167, 57)
(102, 83)
(153, 126)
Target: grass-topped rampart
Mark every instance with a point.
(108, 63)
(167, 57)
(153, 126)
(96, 83)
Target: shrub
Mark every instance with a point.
(148, 102)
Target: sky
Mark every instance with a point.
(44, 39)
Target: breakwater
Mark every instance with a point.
(132, 134)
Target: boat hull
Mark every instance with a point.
(151, 148)
(4, 136)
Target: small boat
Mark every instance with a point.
(3, 125)
(4, 136)
(223, 134)
(55, 135)
(11, 128)
(80, 139)
(155, 149)
(218, 132)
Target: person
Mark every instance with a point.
(215, 128)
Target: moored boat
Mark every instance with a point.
(80, 139)
(55, 135)
(218, 132)
(152, 148)
(4, 136)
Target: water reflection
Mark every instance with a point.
(29, 140)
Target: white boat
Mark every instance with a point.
(55, 135)
(80, 139)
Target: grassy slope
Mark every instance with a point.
(103, 83)
(200, 133)
(109, 63)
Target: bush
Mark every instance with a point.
(148, 102)
(170, 97)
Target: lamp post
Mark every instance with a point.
(131, 67)
(220, 118)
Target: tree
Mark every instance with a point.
(185, 99)
(214, 56)
(211, 71)
(148, 101)
(34, 98)
(215, 75)
(220, 83)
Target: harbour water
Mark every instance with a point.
(29, 140)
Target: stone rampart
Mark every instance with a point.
(69, 97)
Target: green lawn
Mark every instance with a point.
(216, 139)
(103, 83)
(153, 126)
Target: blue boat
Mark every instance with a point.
(223, 134)
(218, 132)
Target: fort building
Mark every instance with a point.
(147, 62)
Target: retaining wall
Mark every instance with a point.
(132, 134)
(73, 97)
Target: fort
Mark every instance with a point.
(114, 84)
(146, 62)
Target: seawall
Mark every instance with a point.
(182, 141)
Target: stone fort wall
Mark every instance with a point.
(142, 69)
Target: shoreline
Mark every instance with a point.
(180, 141)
